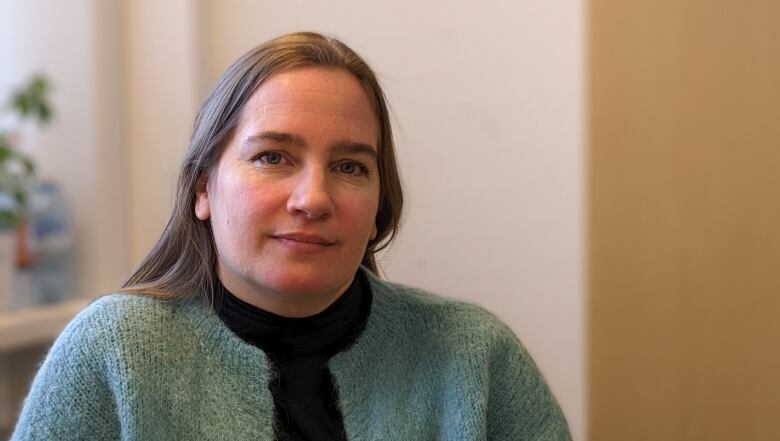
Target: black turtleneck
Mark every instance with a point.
(305, 397)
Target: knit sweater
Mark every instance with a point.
(134, 367)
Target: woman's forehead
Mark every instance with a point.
(311, 102)
(310, 86)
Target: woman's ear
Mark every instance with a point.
(373, 232)
(202, 208)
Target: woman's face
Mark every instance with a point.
(293, 197)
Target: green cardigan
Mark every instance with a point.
(133, 367)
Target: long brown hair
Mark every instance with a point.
(182, 263)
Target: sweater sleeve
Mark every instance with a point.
(70, 397)
(520, 404)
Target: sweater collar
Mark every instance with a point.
(323, 334)
(364, 353)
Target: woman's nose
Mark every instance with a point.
(310, 196)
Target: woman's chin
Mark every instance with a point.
(305, 284)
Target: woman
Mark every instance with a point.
(259, 314)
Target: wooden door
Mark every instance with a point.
(684, 223)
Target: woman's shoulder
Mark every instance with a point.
(429, 312)
(122, 304)
(125, 317)
(92, 341)
(138, 306)
(125, 308)
(468, 339)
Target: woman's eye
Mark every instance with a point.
(348, 168)
(352, 168)
(271, 158)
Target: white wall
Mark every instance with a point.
(126, 92)
(488, 107)
(73, 43)
(160, 80)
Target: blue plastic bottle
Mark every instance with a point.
(51, 244)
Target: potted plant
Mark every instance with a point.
(16, 170)
(29, 102)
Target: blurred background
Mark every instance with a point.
(601, 174)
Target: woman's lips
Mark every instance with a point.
(303, 243)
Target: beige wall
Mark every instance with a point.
(684, 212)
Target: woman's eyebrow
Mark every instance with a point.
(351, 147)
(342, 147)
(279, 137)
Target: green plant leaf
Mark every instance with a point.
(31, 100)
(5, 153)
